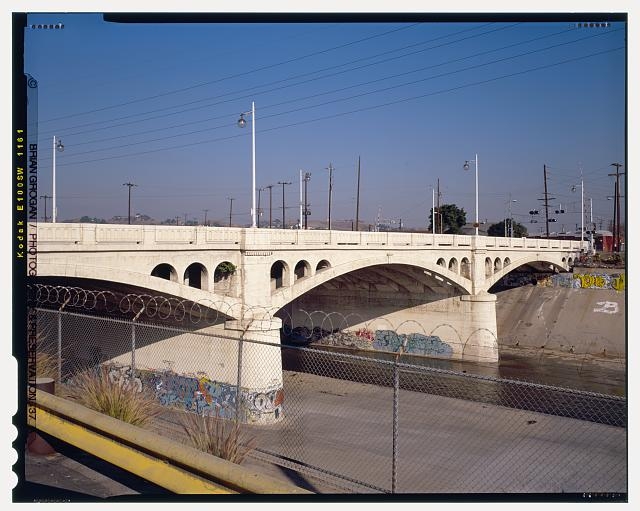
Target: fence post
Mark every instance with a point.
(394, 460)
(59, 346)
(133, 350)
(133, 343)
(239, 378)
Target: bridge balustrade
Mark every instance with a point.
(91, 234)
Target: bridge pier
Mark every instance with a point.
(259, 369)
(479, 327)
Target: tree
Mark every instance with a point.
(453, 218)
(519, 230)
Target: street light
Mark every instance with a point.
(241, 124)
(466, 167)
(56, 147)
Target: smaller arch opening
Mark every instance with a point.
(488, 267)
(441, 262)
(497, 265)
(507, 262)
(278, 274)
(453, 265)
(465, 268)
(165, 271)
(323, 265)
(302, 269)
(196, 275)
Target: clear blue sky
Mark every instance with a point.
(157, 105)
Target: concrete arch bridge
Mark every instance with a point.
(440, 282)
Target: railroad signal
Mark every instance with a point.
(533, 212)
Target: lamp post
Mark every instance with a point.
(56, 147)
(130, 185)
(466, 167)
(242, 123)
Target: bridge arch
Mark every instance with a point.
(196, 275)
(497, 265)
(301, 270)
(279, 275)
(165, 271)
(556, 263)
(465, 268)
(488, 267)
(453, 265)
(441, 275)
(323, 265)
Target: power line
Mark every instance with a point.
(339, 90)
(273, 83)
(362, 109)
(237, 75)
(333, 91)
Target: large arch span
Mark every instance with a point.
(435, 274)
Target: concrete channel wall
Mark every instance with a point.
(583, 312)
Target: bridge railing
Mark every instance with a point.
(235, 237)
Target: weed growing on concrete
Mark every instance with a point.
(121, 400)
(219, 437)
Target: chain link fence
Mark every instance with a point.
(356, 423)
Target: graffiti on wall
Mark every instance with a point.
(607, 307)
(207, 397)
(414, 344)
(615, 281)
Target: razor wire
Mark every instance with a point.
(161, 308)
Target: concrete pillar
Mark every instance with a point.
(478, 329)
(259, 368)
(478, 278)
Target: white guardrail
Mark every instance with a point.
(230, 237)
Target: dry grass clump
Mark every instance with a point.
(94, 389)
(46, 365)
(219, 437)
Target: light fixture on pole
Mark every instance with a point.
(466, 167)
(56, 147)
(241, 124)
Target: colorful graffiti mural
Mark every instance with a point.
(199, 394)
(414, 344)
(615, 281)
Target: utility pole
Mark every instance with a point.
(330, 169)
(231, 199)
(205, 216)
(283, 183)
(45, 197)
(358, 197)
(546, 201)
(270, 203)
(307, 178)
(130, 185)
(185, 218)
(438, 194)
(616, 206)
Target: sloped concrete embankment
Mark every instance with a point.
(563, 320)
